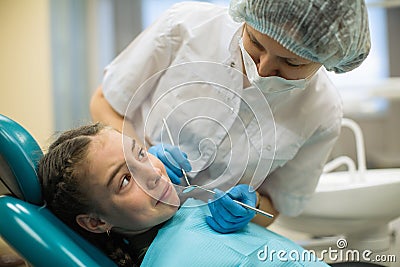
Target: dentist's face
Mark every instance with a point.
(132, 193)
(272, 59)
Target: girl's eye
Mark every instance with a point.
(142, 153)
(125, 181)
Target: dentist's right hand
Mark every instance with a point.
(173, 159)
(227, 215)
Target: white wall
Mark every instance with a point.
(25, 71)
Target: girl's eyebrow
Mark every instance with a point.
(119, 167)
(114, 173)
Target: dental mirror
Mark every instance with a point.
(191, 187)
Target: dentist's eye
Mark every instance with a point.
(291, 64)
(125, 181)
(256, 44)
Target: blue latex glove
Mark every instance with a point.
(173, 159)
(228, 216)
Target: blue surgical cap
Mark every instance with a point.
(334, 33)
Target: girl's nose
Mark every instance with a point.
(154, 178)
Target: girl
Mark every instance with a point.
(120, 198)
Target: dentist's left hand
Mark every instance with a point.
(228, 216)
(173, 159)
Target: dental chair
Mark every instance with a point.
(25, 223)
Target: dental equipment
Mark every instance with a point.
(172, 143)
(191, 187)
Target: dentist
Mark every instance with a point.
(283, 48)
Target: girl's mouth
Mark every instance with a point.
(165, 194)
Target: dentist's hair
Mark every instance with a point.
(61, 172)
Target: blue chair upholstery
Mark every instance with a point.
(18, 159)
(25, 224)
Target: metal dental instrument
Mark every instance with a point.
(172, 143)
(191, 187)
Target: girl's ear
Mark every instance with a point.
(92, 224)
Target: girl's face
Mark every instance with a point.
(132, 193)
(272, 59)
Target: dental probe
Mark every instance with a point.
(191, 187)
(172, 143)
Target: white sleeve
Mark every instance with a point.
(149, 53)
(294, 183)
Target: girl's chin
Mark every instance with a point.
(173, 201)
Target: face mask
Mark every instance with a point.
(272, 84)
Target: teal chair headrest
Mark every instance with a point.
(19, 156)
(42, 239)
